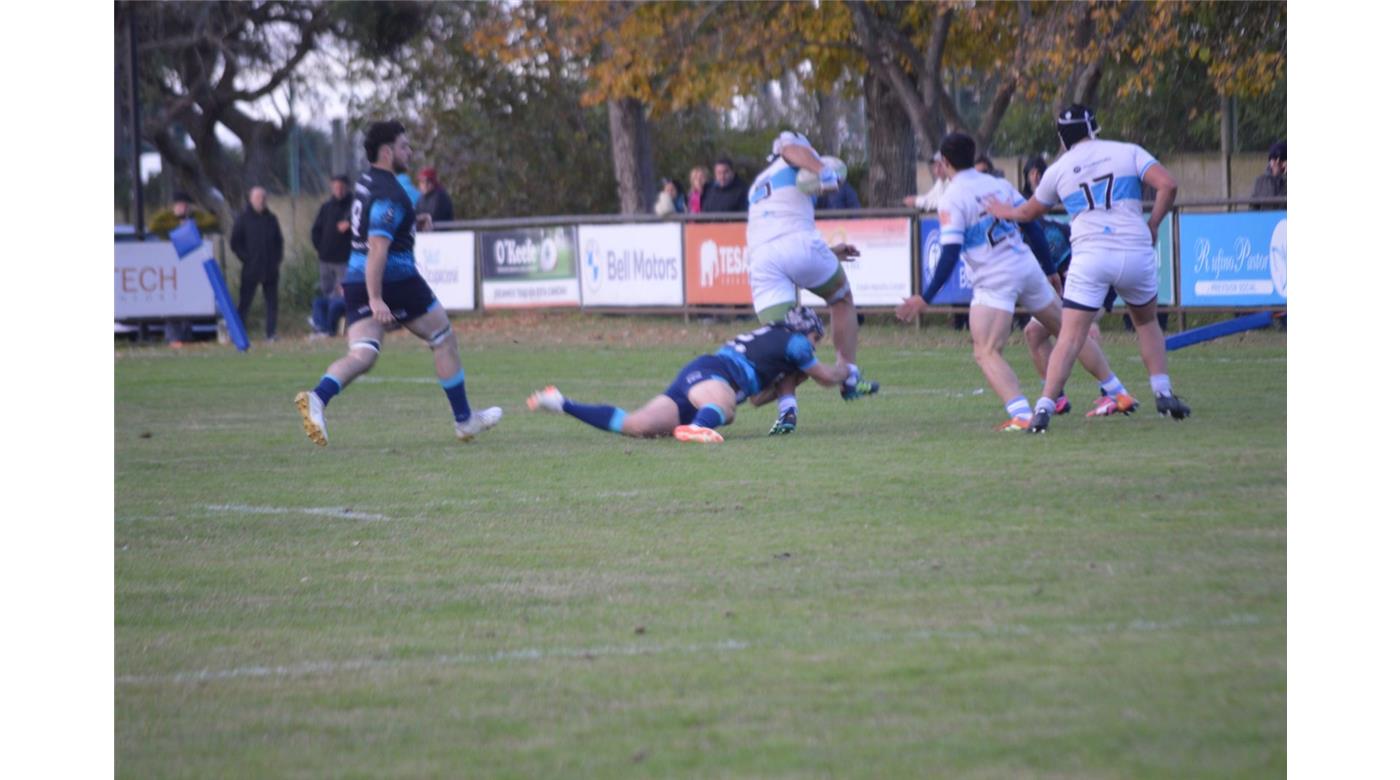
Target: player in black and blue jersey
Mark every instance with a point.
(707, 390)
(383, 289)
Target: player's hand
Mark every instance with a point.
(845, 252)
(342, 225)
(828, 179)
(912, 307)
(380, 311)
(425, 222)
(1151, 228)
(910, 201)
(999, 209)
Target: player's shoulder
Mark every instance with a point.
(788, 138)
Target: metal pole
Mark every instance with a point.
(138, 206)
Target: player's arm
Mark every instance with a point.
(776, 389)
(1160, 179)
(802, 156)
(942, 272)
(827, 376)
(1029, 211)
(375, 261)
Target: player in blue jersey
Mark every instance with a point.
(1101, 183)
(383, 289)
(707, 390)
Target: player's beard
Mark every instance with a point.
(400, 167)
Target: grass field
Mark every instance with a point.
(894, 591)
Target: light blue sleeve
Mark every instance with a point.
(384, 218)
(799, 351)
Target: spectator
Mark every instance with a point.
(728, 192)
(177, 330)
(1273, 183)
(984, 165)
(669, 200)
(434, 200)
(1032, 172)
(330, 235)
(257, 241)
(941, 176)
(699, 182)
(844, 197)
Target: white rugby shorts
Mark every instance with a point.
(778, 267)
(1026, 284)
(1132, 272)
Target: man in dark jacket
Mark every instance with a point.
(257, 241)
(1273, 183)
(435, 201)
(330, 234)
(727, 192)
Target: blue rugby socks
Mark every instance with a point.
(327, 388)
(600, 416)
(709, 416)
(456, 389)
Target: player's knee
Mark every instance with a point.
(1036, 333)
(444, 338)
(365, 352)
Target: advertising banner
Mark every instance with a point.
(447, 262)
(631, 265)
(958, 289)
(1238, 259)
(529, 267)
(883, 274)
(150, 281)
(717, 263)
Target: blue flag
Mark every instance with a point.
(187, 241)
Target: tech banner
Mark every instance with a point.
(447, 261)
(1238, 259)
(631, 265)
(882, 275)
(529, 267)
(150, 281)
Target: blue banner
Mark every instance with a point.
(959, 287)
(1238, 259)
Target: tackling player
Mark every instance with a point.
(1100, 183)
(1004, 273)
(383, 288)
(707, 390)
(786, 253)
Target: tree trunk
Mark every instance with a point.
(632, 159)
(893, 163)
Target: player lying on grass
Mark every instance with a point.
(706, 392)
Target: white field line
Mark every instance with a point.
(319, 511)
(310, 668)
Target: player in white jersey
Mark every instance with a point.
(1100, 182)
(786, 253)
(1004, 270)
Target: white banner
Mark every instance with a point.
(447, 262)
(883, 275)
(151, 281)
(631, 265)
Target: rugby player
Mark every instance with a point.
(383, 288)
(786, 253)
(1004, 272)
(707, 390)
(1100, 182)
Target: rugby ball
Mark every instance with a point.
(809, 183)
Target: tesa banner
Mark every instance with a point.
(631, 265)
(717, 263)
(529, 267)
(447, 261)
(150, 281)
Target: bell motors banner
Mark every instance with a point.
(447, 262)
(631, 265)
(958, 288)
(529, 267)
(150, 281)
(1238, 259)
(883, 274)
(717, 263)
